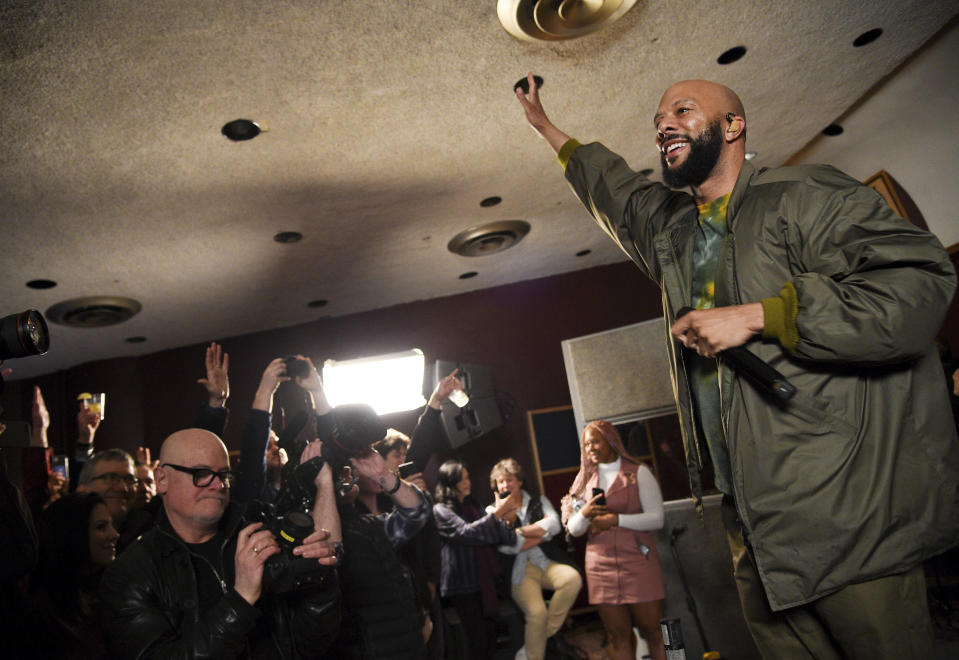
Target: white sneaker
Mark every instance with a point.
(521, 654)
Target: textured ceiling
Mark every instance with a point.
(385, 123)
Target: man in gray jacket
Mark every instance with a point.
(835, 497)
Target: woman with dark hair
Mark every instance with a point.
(468, 556)
(77, 541)
(623, 573)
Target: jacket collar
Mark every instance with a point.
(743, 181)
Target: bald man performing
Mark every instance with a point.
(833, 498)
(193, 585)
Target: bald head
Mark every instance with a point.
(187, 446)
(715, 99)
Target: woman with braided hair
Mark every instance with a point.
(623, 573)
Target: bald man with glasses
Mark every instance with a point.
(193, 585)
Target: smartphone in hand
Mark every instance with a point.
(406, 469)
(61, 465)
(602, 500)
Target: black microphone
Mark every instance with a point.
(745, 362)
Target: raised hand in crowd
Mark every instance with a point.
(88, 421)
(313, 384)
(443, 389)
(41, 420)
(273, 375)
(143, 457)
(217, 381)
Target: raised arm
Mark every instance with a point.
(256, 434)
(212, 415)
(537, 118)
(217, 381)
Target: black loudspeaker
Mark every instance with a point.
(478, 417)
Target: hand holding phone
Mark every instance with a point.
(61, 465)
(602, 500)
(407, 469)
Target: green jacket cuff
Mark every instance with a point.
(566, 152)
(780, 318)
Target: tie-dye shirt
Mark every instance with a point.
(703, 375)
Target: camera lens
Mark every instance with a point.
(294, 527)
(23, 334)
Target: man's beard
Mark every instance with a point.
(703, 155)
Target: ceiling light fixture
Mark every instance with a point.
(583, 253)
(491, 201)
(93, 311)
(484, 240)
(832, 130)
(135, 340)
(750, 155)
(467, 275)
(317, 303)
(552, 20)
(239, 130)
(41, 284)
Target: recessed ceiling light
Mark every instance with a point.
(832, 130)
(135, 340)
(523, 84)
(732, 55)
(239, 130)
(491, 201)
(93, 311)
(750, 155)
(41, 284)
(484, 240)
(583, 253)
(288, 237)
(317, 303)
(468, 274)
(867, 37)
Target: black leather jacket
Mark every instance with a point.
(151, 606)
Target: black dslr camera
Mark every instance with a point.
(284, 572)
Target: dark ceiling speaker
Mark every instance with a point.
(484, 240)
(556, 20)
(93, 311)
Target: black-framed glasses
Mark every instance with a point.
(116, 477)
(203, 477)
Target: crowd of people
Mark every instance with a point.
(186, 555)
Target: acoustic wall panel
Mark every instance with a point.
(620, 374)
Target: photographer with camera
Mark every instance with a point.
(194, 585)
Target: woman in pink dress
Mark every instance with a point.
(622, 568)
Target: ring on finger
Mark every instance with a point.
(256, 550)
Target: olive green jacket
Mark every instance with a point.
(857, 476)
